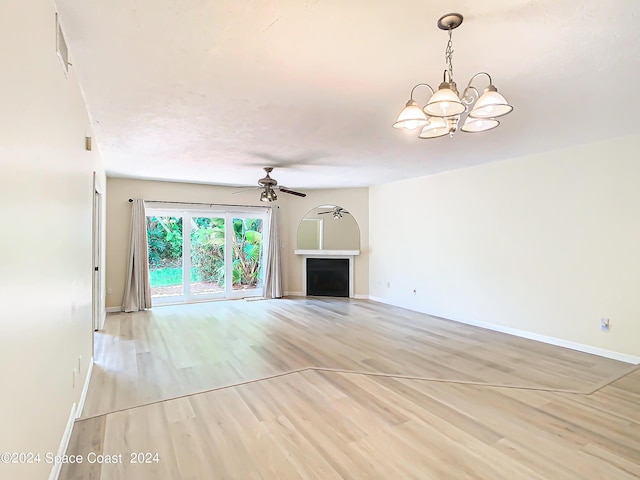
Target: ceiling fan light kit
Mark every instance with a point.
(268, 195)
(442, 113)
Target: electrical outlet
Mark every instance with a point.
(604, 324)
(388, 284)
(109, 291)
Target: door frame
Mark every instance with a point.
(97, 267)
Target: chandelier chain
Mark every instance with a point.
(449, 56)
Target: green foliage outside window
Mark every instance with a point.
(207, 248)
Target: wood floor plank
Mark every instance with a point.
(172, 351)
(165, 383)
(284, 428)
(87, 437)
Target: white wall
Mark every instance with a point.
(547, 244)
(46, 181)
(292, 211)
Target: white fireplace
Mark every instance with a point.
(328, 254)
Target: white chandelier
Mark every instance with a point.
(442, 113)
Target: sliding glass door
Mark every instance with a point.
(198, 255)
(164, 236)
(246, 256)
(208, 270)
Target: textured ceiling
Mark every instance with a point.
(211, 91)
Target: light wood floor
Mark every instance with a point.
(173, 351)
(328, 425)
(319, 423)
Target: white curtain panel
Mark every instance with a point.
(273, 272)
(137, 292)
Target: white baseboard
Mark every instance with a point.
(361, 296)
(622, 357)
(76, 411)
(114, 309)
(64, 443)
(601, 352)
(85, 389)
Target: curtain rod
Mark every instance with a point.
(209, 204)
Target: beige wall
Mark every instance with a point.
(309, 234)
(292, 210)
(340, 234)
(546, 244)
(46, 180)
(356, 201)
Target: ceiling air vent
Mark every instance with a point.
(61, 47)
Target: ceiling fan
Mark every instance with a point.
(270, 185)
(337, 212)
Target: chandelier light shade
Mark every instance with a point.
(411, 116)
(437, 127)
(445, 102)
(490, 105)
(474, 125)
(445, 108)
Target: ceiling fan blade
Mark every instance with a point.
(323, 213)
(292, 192)
(245, 190)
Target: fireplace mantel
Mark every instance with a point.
(327, 253)
(350, 254)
